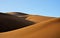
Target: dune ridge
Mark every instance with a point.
(9, 22)
(43, 27)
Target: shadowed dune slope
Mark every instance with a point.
(18, 14)
(43, 27)
(10, 22)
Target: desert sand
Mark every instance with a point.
(21, 25)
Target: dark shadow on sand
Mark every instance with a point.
(10, 22)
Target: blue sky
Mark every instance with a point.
(37, 7)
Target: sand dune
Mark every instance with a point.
(17, 14)
(10, 22)
(41, 27)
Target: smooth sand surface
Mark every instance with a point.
(43, 27)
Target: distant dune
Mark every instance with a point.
(21, 25)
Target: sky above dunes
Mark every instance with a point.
(37, 7)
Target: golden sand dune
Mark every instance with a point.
(34, 18)
(40, 27)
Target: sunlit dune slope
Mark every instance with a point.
(37, 19)
(43, 27)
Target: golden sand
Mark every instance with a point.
(43, 27)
